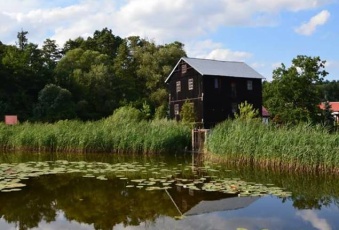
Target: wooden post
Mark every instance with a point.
(199, 137)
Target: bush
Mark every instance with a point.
(126, 114)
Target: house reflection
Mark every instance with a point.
(195, 202)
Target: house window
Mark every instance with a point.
(178, 86)
(249, 85)
(190, 84)
(176, 109)
(233, 90)
(183, 68)
(216, 83)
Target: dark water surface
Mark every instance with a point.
(98, 191)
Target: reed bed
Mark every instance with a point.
(100, 136)
(303, 147)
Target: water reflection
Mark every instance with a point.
(312, 217)
(105, 204)
(195, 202)
(69, 201)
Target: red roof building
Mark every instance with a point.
(265, 115)
(264, 111)
(334, 108)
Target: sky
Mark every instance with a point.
(262, 33)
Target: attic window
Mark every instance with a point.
(183, 68)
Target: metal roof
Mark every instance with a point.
(220, 68)
(231, 203)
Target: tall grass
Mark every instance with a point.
(99, 136)
(301, 147)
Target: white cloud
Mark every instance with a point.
(309, 27)
(258, 65)
(228, 55)
(200, 49)
(164, 21)
(317, 223)
(212, 50)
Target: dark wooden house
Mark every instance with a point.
(215, 88)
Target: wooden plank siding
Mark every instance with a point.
(214, 97)
(194, 96)
(219, 103)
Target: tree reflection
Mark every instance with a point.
(85, 200)
(106, 204)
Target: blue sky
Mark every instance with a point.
(262, 33)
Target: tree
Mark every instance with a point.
(54, 103)
(328, 118)
(187, 112)
(72, 44)
(51, 53)
(127, 88)
(88, 76)
(293, 96)
(329, 90)
(246, 112)
(22, 39)
(105, 42)
(153, 65)
(25, 74)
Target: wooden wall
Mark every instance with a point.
(212, 104)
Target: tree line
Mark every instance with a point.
(87, 78)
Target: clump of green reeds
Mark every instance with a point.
(305, 146)
(98, 136)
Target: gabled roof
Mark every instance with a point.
(219, 68)
(232, 203)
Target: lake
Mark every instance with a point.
(101, 191)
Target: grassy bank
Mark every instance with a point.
(302, 147)
(99, 136)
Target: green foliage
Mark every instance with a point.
(246, 112)
(124, 132)
(146, 111)
(54, 103)
(329, 90)
(187, 113)
(293, 96)
(102, 72)
(300, 147)
(161, 112)
(328, 118)
(24, 74)
(87, 75)
(126, 114)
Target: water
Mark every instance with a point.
(60, 197)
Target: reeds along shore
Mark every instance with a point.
(100, 136)
(303, 147)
